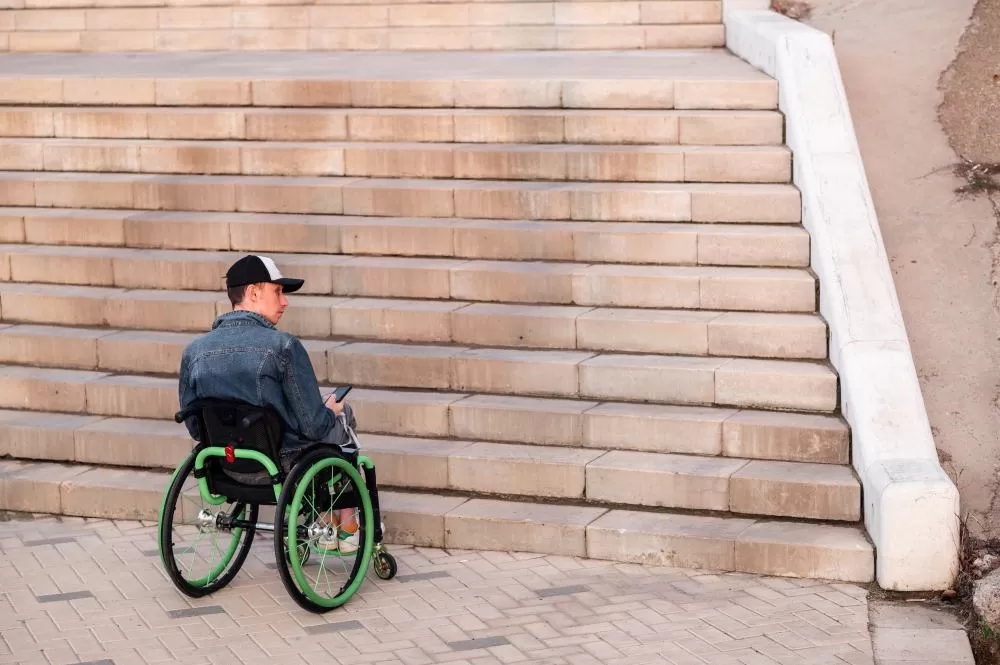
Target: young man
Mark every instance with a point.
(246, 358)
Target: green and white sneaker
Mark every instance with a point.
(349, 541)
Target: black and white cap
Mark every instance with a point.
(253, 269)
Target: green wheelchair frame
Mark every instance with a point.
(300, 498)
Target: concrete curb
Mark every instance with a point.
(911, 507)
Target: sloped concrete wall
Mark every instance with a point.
(911, 507)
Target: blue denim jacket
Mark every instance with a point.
(244, 357)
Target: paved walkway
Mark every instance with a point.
(916, 633)
(83, 591)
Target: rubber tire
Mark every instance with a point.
(167, 509)
(282, 553)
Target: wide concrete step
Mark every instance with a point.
(696, 380)
(734, 485)
(339, 38)
(697, 79)
(652, 24)
(788, 548)
(548, 126)
(605, 242)
(595, 285)
(468, 161)
(675, 332)
(740, 433)
(300, 16)
(432, 38)
(125, 4)
(401, 197)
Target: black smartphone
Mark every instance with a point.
(339, 394)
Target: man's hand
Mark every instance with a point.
(334, 405)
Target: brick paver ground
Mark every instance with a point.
(93, 591)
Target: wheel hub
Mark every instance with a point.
(317, 531)
(206, 520)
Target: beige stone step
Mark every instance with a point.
(392, 38)
(477, 199)
(392, 19)
(111, 439)
(676, 379)
(791, 549)
(678, 332)
(820, 491)
(487, 468)
(646, 331)
(606, 242)
(813, 491)
(299, 16)
(670, 79)
(774, 548)
(640, 427)
(694, 380)
(117, 4)
(788, 336)
(131, 442)
(601, 285)
(96, 306)
(471, 161)
(617, 426)
(545, 126)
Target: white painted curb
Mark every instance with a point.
(911, 507)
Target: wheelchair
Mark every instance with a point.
(210, 509)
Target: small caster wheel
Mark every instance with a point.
(385, 565)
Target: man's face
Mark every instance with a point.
(266, 299)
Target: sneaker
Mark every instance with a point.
(349, 541)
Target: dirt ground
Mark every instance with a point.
(892, 55)
(971, 88)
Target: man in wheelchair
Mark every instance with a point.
(250, 398)
(245, 358)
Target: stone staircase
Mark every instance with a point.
(571, 288)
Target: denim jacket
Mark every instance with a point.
(244, 357)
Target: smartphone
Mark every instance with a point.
(339, 394)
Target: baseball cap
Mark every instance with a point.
(252, 269)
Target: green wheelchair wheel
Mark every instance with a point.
(319, 491)
(199, 551)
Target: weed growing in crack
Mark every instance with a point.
(978, 557)
(979, 178)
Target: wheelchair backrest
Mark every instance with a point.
(241, 425)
